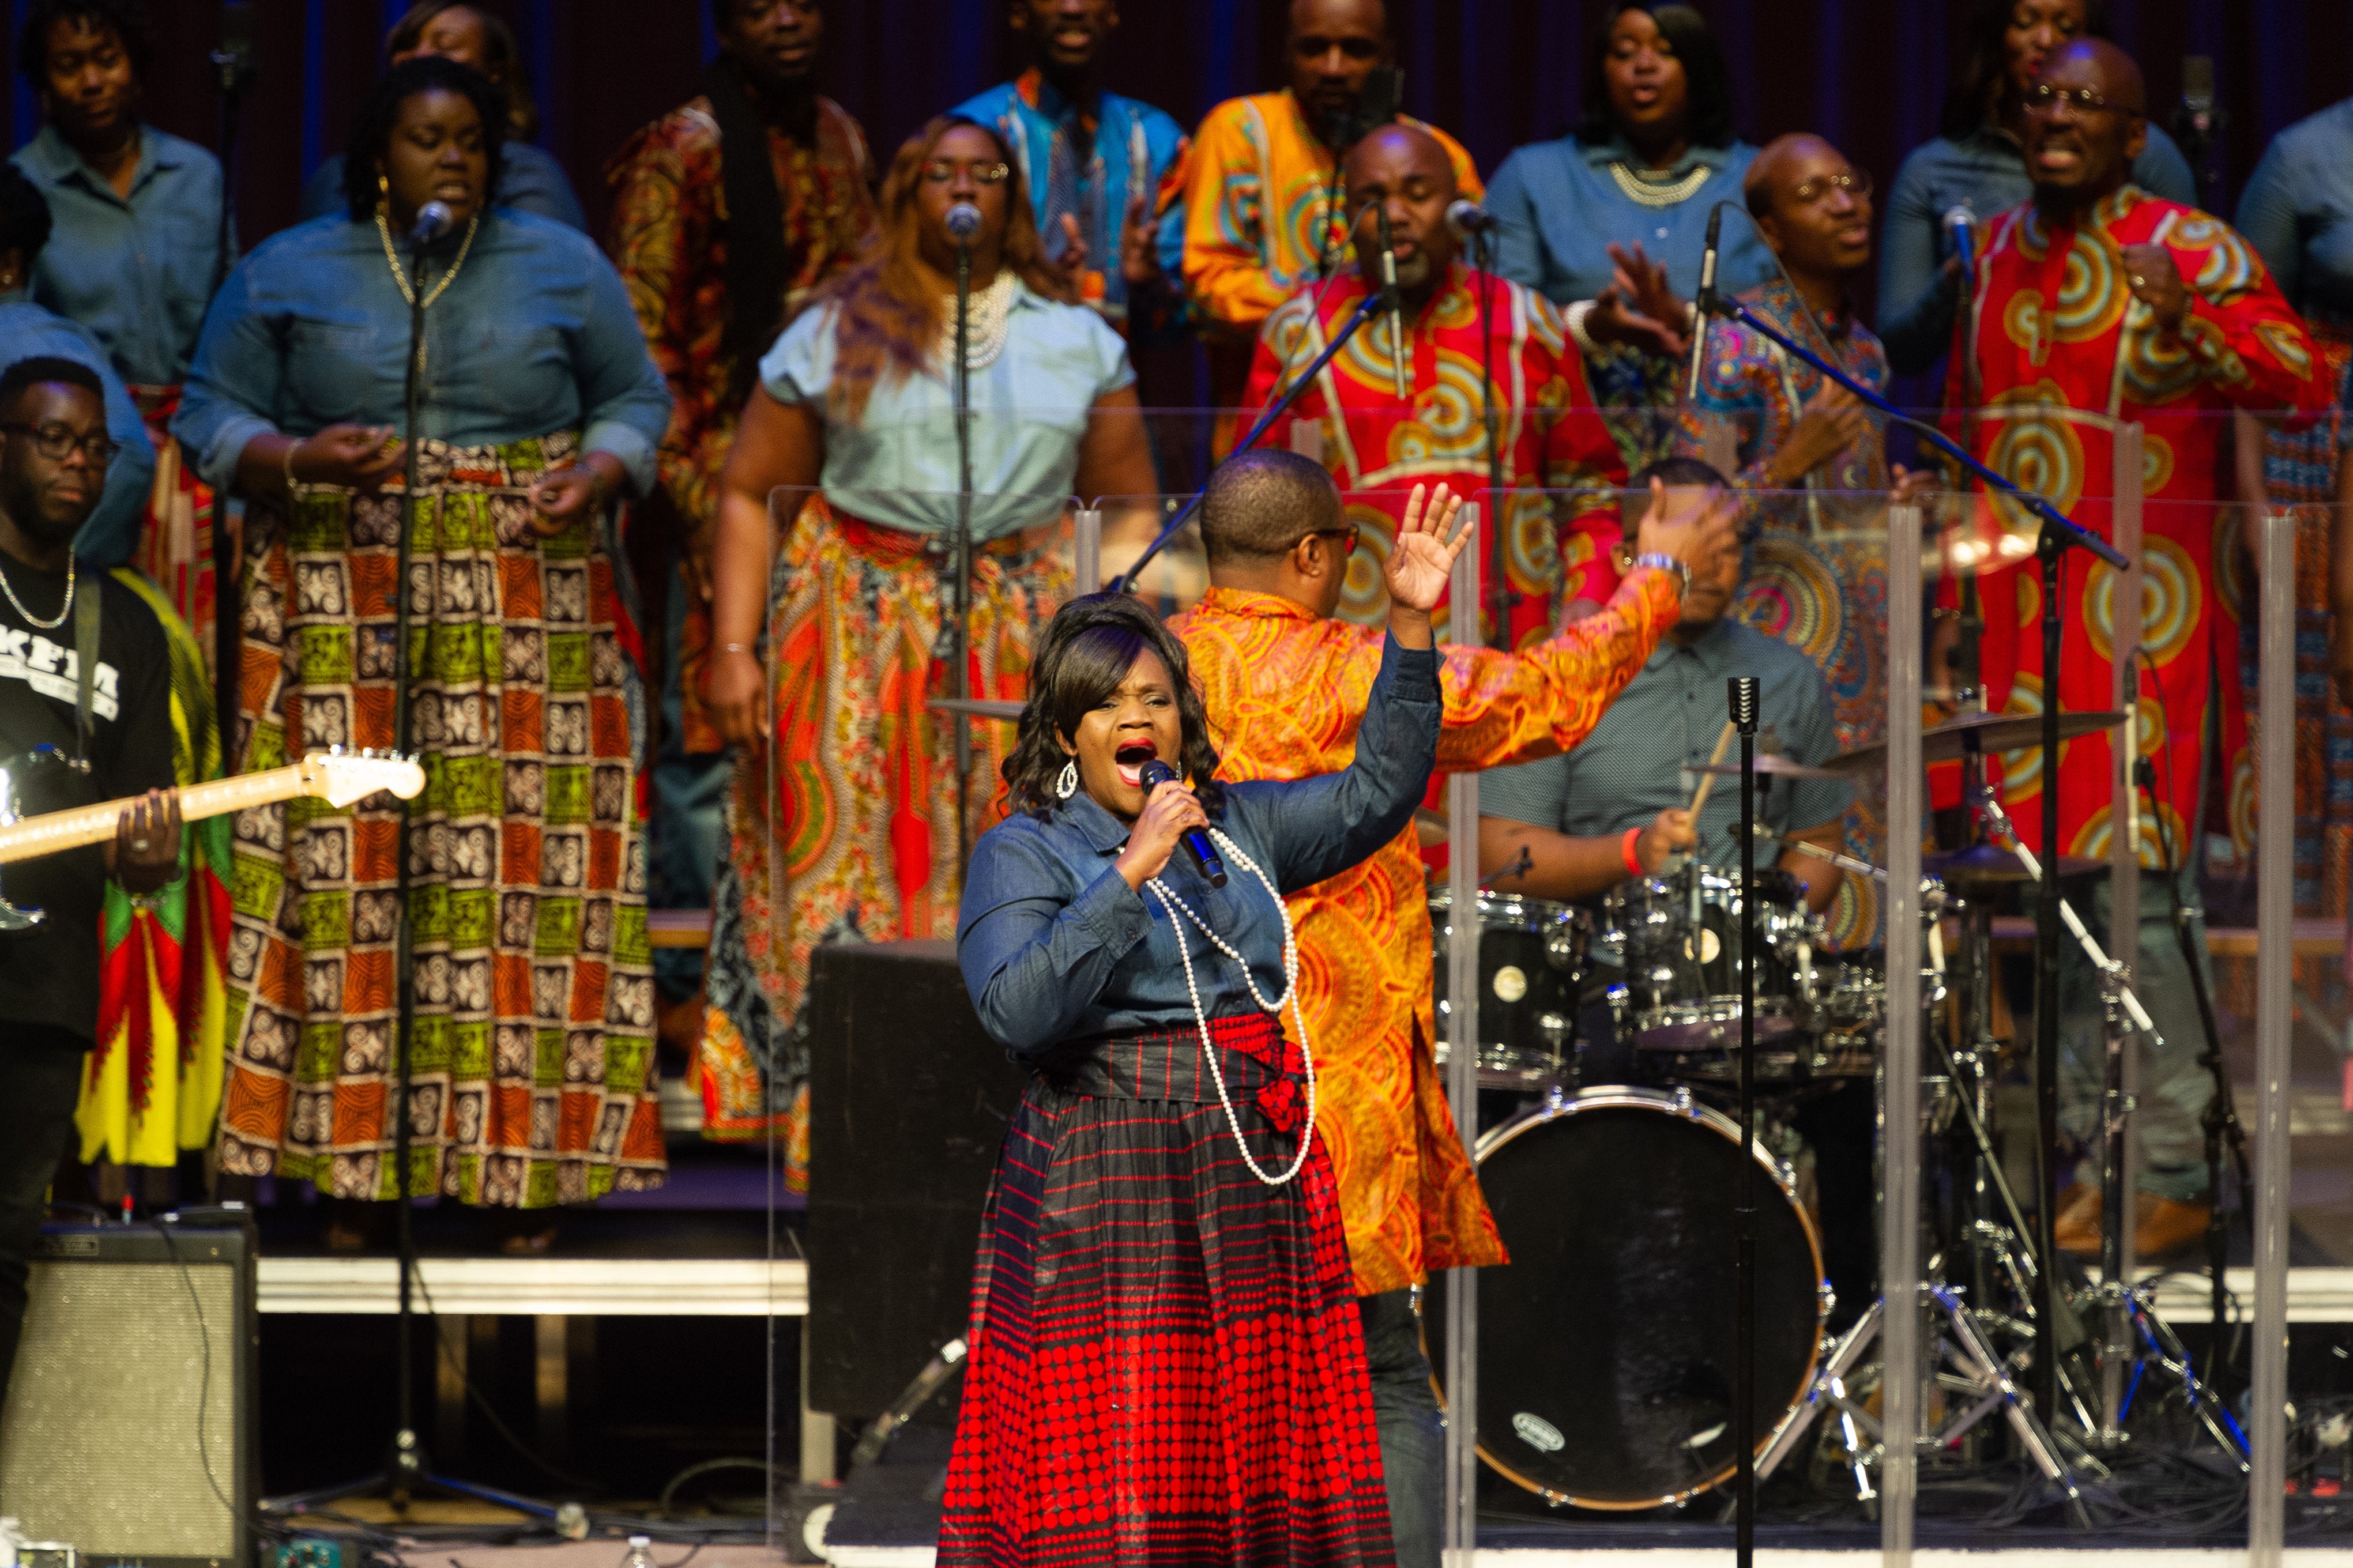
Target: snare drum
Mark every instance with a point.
(1680, 934)
(1530, 963)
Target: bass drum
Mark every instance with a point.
(1606, 1345)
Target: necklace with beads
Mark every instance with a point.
(986, 314)
(1175, 906)
(392, 260)
(63, 610)
(1652, 190)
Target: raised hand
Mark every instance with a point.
(1166, 818)
(1700, 537)
(2156, 281)
(1422, 561)
(1139, 241)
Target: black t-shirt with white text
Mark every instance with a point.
(48, 974)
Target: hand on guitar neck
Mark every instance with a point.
(144, 855)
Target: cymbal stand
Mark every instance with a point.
(2130, 1315)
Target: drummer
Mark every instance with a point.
(1575, 825)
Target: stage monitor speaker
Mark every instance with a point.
(128, 1430)
(908, 1101)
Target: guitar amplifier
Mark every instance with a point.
(129, 1430)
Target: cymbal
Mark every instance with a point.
(977, 707)
(1993, 865)
(1994, 732)
(1769, 764)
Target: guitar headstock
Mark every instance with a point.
(342, 778)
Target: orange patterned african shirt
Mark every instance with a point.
(670, 244)
(1378, 447)
(1285, 691)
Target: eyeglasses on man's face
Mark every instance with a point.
(2044, 98)
(53, 441)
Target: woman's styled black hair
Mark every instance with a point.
(127, 19)
(24, 215)
(1087, 650)
(1707, 85)
(1975, 90)
(371, 125)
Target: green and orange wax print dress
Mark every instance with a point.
(533, 1061)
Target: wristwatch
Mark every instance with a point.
(1666, 562)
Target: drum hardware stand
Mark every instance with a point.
(1972, 1369)
(1741, 693)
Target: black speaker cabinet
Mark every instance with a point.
(908, 1101)
(129, 1426)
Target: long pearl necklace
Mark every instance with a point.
(1175, 905)
(985, 320)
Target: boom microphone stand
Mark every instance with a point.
(237, 66)
(1499, 587)
(964, 222)
(1743, 691)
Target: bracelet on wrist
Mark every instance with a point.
(1628, 848)
(1665, 563)
(293, 447)
(1573, 318)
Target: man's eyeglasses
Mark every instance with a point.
(54, 441)
(1855, 183)
(1350, 534)
(2042, 98)
(940, 171)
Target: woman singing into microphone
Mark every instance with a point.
(1167, 1364)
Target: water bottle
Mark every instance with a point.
(12, 1537)
(642, 1553)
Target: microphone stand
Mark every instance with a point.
(1499, 588)
(2058, 534)
(1743, 693)
(960, 548)
(1373, 305)
(236, 69)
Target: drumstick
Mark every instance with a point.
(1707, 781)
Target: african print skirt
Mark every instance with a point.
(843, 826)
(1168, 1360)
(533, 1055)
(175, 545)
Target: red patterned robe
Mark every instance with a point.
(2055, 347)
(1378, 448)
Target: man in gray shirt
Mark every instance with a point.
(1617, 805)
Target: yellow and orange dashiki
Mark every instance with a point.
(1379, 446)
(1263, 197)
(1285, 690)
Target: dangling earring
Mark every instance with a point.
(382, 190)
(1066, 783)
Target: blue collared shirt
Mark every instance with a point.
(137, 273)
(530, 180)
(534, 335)
(1055, 946)
(109, 534)
(1631, 767)
(1133, 147)
(897, 465)
(1987, 174)
(1562, 209)
(2297, 212)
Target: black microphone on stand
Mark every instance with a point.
(1961, 231)
(1706, 300)
(433, 221)
(1397, 316)
(1468, 219)
(963, 225)
(1157, 772)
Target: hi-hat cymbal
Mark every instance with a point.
(1994, 732)
(977, 707)
(1769, 764)
(1982, 865)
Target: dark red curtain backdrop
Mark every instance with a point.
(1868, 73)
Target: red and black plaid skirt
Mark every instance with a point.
(1167, 1366)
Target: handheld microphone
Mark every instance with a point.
(1706, 300)
(964, 222)
(1397, 316)
(1961, 230)
(433, 220)
(1467, 218)
(1157, 772)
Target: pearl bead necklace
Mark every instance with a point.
(1176, 905)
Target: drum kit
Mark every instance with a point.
(1607, 1343)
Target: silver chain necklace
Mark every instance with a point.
(63, 610)
(1173, 904)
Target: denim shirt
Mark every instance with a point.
(109, 534)
(1562, 209)
(530, 180)
(1055, 946)
(137, 273)
(534, 335)
(1986, 173)
(2297, 212)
